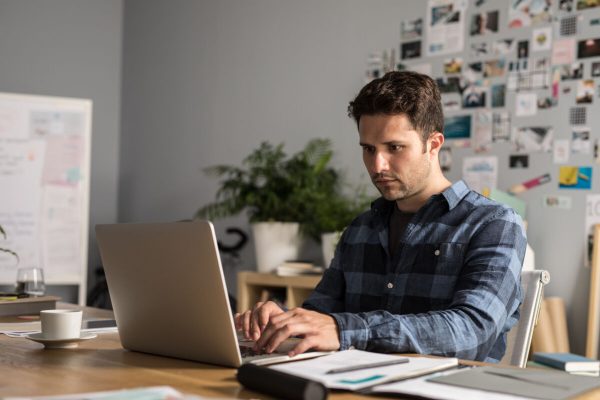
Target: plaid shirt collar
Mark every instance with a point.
(452, 195)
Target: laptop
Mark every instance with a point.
(169, 296)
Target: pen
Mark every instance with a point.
(366, 366)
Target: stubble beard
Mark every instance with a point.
(404, 190)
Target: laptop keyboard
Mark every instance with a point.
(249, 352)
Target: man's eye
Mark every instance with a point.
(396, 147)
(368, 149)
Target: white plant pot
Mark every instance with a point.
(274, 243)
(329, 242)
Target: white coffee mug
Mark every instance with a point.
(61, 324)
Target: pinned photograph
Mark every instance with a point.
(445, 158)
(584, 4)
(453, 65)
(581, 143)
(451, 101)
(498, 95)
(565, 5)
(449, 84)
(503, 47)
(523, 49)
(588, 48)
(571, 71)
(411, 29)
(529, 12)
(501, 126)
(541, 39)
(519, 161)
(585, 91)
(570, 177)
(473, 72)
(457, 127)
(483, 23)
(494, 68)
(474, 96)
(596, 69)
(479, 49)
(546, 102)
(411, 50)
(533, 139)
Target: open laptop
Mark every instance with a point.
(169, 296)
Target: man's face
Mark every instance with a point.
(394, 155)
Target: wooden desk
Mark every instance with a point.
(26, 369)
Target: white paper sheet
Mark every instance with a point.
(480, 172)
(445, 26)
(316, 368)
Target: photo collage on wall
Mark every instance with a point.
(497, 65)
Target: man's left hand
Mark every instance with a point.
(318, 331)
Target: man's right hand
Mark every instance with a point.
(253, 322)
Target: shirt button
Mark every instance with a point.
(437, 252)
(390, 285)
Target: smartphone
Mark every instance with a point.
(98, 324)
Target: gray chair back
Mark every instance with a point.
(518, 340)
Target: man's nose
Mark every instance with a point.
(381, 162)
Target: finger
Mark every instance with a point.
(283, 333)
(305, 344)
(254, 327)
(247, 315)
(270, 329)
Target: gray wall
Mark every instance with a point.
(206, 81)
(71, 48)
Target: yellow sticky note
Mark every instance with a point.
(568, 176)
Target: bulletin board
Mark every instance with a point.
(45, 145)
(520, 91)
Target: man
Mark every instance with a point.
(432, 268)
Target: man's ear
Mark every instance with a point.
(434, 143)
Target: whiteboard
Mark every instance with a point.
(45, 145)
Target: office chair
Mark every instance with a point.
(518, 339)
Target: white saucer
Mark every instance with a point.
(60, 343)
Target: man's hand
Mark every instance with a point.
(318, 331)
(253, 322)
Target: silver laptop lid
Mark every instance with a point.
(168, 291)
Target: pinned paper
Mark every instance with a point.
(562, 202)
(575, 177)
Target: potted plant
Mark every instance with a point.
(333, 215)
(278, 192)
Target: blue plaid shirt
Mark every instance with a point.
(453, 288)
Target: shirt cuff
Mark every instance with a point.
(354, 332)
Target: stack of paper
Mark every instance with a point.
(323, 369)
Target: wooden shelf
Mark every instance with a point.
(252, 284)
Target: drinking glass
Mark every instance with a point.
(30, 280)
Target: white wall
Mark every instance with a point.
(71, 48)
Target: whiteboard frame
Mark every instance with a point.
(85, 106)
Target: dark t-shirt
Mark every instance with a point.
(398, 222)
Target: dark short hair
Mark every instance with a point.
(402, 92)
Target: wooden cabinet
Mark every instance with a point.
(251, 286)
